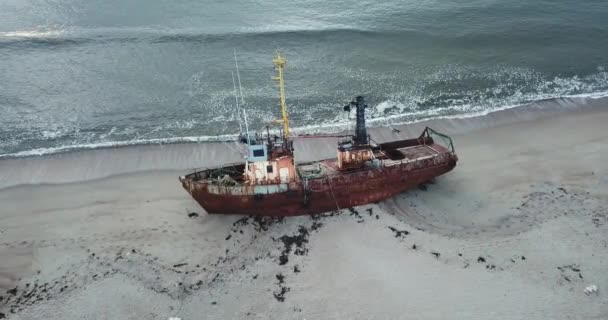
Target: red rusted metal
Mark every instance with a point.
(396, 171)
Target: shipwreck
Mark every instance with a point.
(270, 182)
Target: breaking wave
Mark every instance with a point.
(50, 38)
(325, 128)
(117, 144)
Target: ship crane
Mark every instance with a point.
(279, 63)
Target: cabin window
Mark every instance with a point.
(269, 169)
(258, 153)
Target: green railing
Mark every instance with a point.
(438, 138)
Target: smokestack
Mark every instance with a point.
(361, 130)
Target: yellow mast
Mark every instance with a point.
(280, 62)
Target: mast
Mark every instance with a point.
(238, 75)
(246, 127)
(280, 62)
(238, 108)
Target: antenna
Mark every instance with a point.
(236, 100)
(246, 126)
(238, 75)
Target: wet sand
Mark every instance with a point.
(516, 231)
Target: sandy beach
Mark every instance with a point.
(516, 231)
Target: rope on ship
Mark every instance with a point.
(332, 192)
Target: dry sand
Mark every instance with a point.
(516, 231)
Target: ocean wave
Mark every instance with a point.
(433, 114)
(29, 34)
(322, 129)
(82, 36)
(117, 144)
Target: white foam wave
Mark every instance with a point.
(405, 107)
(49, 32)
(438, 113)
(34, 34)
(116, 144)
(326, 128)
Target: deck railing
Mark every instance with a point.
(444, 139)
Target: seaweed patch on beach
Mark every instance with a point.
(570, 273)
(296, 242)
(282, 290)
(356, 214)
(27, 294)
(399, 233)
(259, 223)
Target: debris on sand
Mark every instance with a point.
(239, 223)
(571, 272)
(192, 215)
(280, 296)
(399, 233)
(590, 289)
(316, 226)
(573, 267)
(179, 265)
(355, 213)
(481, 260)
(436, 254)
(414, 246)
(228, 237)
(296, 269)
(298, 240)
(259, 223)
(263, 223)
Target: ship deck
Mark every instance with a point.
(389, 157)
(410, 153)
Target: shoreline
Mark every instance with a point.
(105, 162)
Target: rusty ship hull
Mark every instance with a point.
(271, 183)
(402, 165)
